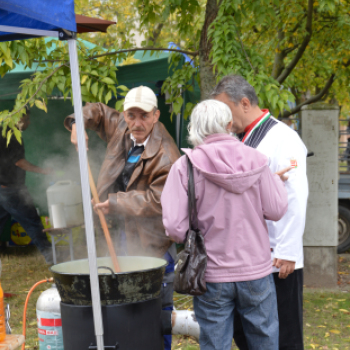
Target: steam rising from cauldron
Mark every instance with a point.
(66, 167)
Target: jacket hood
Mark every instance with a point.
(227, 162)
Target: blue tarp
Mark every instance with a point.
(36, 14)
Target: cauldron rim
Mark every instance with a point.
(108, 273)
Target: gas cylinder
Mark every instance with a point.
(48, 313)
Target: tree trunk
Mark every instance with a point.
(207, 76)
(278, 65)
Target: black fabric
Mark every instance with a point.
(17, 203)
(165, 319)
(166, 294)
(290, 313)
(133, 158)
(259, 133)
(10, 174)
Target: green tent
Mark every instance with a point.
(47, 143)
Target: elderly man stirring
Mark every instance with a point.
(139, 156)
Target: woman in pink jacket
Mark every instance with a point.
(235, 193)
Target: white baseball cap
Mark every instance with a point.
(141, 97)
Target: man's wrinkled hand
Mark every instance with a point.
(104, 207)
(286, 267)
(74, 138)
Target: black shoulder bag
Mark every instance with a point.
(191, 262)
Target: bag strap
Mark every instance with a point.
(191, 193)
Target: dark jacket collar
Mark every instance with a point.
(154, 142)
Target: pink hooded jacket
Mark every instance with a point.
(235, 192)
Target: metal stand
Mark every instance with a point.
(61, 235)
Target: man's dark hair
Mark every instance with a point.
(236, 87)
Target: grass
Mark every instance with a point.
(20, 270)
(327, 320)
(326, 313)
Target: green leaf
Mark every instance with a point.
(41, 105)
(9, 62)
(100, 93)
(108, 96)
(108, 81)
(94, 88)
(177, 107)
(88, 84)
(9, 134)
(119, 105)
(83, 79)
(274, 101)
(280, 105)
(4, 128)
(123, 88)
(18, 135)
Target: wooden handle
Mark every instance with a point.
(103, 223)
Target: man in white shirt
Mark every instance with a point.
(283, 146)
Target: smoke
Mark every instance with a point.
(63, 159)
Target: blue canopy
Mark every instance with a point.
(36, 14)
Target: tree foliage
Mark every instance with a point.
(293, 50)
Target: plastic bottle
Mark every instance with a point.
(2, 314)
(69, 194)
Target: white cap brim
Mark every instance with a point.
(144, 106)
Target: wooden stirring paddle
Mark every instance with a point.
(103, 223)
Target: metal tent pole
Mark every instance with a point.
(84, 176)
(28, 31)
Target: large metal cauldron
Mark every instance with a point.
(131, 304)
(140, 279)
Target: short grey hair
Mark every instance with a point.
(236, 87)
(207, 118)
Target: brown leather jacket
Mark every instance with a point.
(140, 204)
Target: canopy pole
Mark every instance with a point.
(84, 176)
(28, 31)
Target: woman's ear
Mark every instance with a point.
(229, 127)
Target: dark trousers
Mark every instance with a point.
(18, 203)
(167, 304)
(290, 313)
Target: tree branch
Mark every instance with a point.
(297, 25)
(283, 76)
(156, 32)
(313, 99)
(290, 49)
(245, 54)
(191, 53)
(43, 61)
(36, 92)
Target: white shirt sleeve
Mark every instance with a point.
(289, 230)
